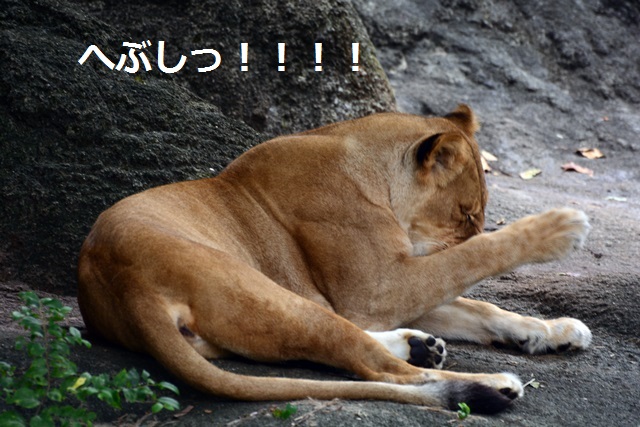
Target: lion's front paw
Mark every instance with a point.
(553, 234)
(556, 335)
(416, 347)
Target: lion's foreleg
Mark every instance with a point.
(484, 323)
(431, 281)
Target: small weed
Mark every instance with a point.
(50, 391)
(464, 411)
(286, 413)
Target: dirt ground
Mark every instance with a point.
(599, 285)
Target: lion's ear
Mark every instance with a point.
(464, 118)
(436, 151)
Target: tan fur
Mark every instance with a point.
(305, 241)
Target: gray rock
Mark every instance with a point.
(75, 138)
(531, 70)
(270, 101)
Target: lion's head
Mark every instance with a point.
(441, 201)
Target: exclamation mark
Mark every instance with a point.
(244, 50)
(281, 48)
(318, 56)
(355, 53)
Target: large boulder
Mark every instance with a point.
(76, 138)
(270, 101)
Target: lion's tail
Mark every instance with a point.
(163, 341)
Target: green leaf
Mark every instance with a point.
(84, 392)
(285, 413)
(12, 419)
(63, 367)
(55, 395)
(164, 385)
(6, 374)
(144, 394)
(35, 349)
(37, 372)
(25, 397)
(56, 332)
(31, 323)
(21, 343)
(169, 403)
(129, 395)
(48, 302)
(121, 379)
(30, 298)
(133, 377)
(99, 381)
(41, 421)
(66, 310)
(464, 411)
(157, 407)
(111, 397)
(70, 416)
(6, 381)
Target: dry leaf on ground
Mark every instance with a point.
(485, 158)
(530, 173)
(488, 156)
(590, 153)
(617, 198)
(577, 168)
(485, 165)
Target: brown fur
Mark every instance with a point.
(307, 240)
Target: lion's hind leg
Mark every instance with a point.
(184, 321)
(210, 302)
(241, 311)
(235, 309)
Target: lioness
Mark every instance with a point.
(318, 246)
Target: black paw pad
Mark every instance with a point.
(426, 353)
(510, 393)
(419, 350)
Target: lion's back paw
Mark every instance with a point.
(416, 347)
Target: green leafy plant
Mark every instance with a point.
(50, 391)
(286, 413)
(464, 411)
